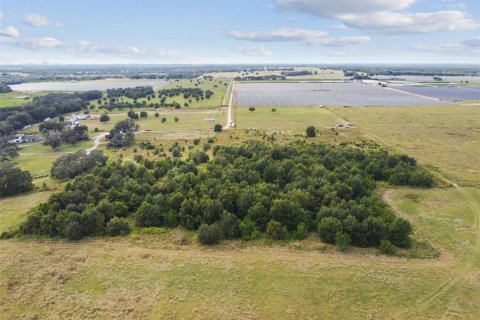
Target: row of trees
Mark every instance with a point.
(73, 164)
(196, 93)
(245, 191)
(133, 93)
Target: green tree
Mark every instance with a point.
(217, 128)
(311, 131)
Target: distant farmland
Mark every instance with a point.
(333, 94)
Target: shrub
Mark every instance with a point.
(117, 227)
(276, 231)
(209, 234)
(399, 231)
(274, 110)
(137, 158)
(386, 247)
(217, 128)
(251, 109)
(311, 132)
(143, 114)
(301, 232)
(342, 240)
(176, 119)
(248, 230)
(328, 228)
(230, 225)
(157, 114)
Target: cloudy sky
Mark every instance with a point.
(247, 31)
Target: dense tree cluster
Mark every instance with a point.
(133, 93)
(121, 135)
(244, 191)
(49, 106)
(54, 138)
(13, 180)
(5, 88)
(74, 164)
(187, 93)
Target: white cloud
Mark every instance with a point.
(2, 16)
(335, 8)
(36, 20)
(170, 54)
(382, 15)
(83, 47)
(344, 41)
(9, 32)
(257, 51)
(472, 43)
(309, 37)
(36, 43)
(392, 22)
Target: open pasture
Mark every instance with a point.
(332, 94)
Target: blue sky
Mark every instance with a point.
(247, 31)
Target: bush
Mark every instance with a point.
(143, 114)
(342, 240)
(301, 232)
(276, 231)
(157, 114)
(230, 225)
(248, 230)
(399, 231)
(311, 132)
(328, 228)
(386, 247)
(251, 109)
(209, 234)
(117, 227)
(218, 128)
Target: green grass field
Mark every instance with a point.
(168, 275)
(16, 98)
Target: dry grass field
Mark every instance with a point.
(167, 275)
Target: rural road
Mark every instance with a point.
(230, 124)
(96, 142)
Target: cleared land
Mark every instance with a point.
(332, 94)
(164, 274)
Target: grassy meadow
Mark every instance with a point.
(165, 274)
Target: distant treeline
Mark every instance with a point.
(260, 78)
(49, 106)
(132, 93)
(245, 191)
(196, 93)
(298, 73)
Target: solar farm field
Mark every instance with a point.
(332, 94)
(448, 93)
